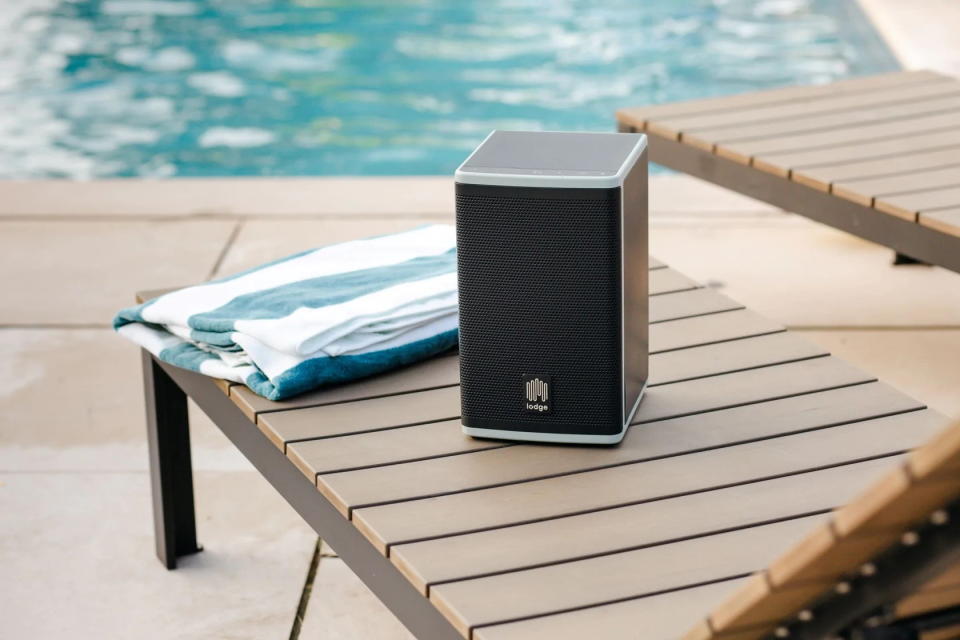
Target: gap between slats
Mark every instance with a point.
(615, 601)
(669, 496)
(348, 509)
(304, 465)
(642, 460)
(638, 547)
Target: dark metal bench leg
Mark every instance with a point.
(171, 471)
(902, 258)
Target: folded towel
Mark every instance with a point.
(319, 317)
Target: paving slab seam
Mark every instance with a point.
(227, 246)
(304, 601)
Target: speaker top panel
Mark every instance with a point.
(553, 159)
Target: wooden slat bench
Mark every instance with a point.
(877, 156)
(748, 437)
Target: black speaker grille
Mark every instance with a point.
(539, 281)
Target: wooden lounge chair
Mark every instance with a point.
(876, 156)
(887, 564)
(748, 438)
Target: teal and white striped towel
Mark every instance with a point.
(319, 317)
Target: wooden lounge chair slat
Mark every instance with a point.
(821, 177)
(619, 621)
(926, 601)
(404, 444)
(908, 205)
(945, 220)
(743, 151)
(904, 497)
(657, 439)
(940, 592)
(882, 509)
(638, 116)
(401, 410)
(687, 332)
(608, 578)
(632, 483)
(864, 191)
(783, 163)
(820, 115)
(938, 458)
(814, 107)
(550, 541)
(948, 579)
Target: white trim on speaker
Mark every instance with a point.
(565, 438)
(557, 180)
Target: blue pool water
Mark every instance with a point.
(92, 88)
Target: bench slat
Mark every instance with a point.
(663, 617)
(725, 357)
(763, 419)
(607, 578)
(687, 332)
(417, 407)
(821, 115)
(864, 191)
(517, 503)
(392, 446)
(782, 163)
(815, 106)
(703, 399)
(669, 281)
(689, 304)
(908, 205)
(434, 439)
(638, 116)
(742, 152)
(550, 541)
(821, 177)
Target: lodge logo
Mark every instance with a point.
(537, 392)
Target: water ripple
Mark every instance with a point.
(92, 88)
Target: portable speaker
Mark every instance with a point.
(552, 276)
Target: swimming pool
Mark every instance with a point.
(94, 88)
